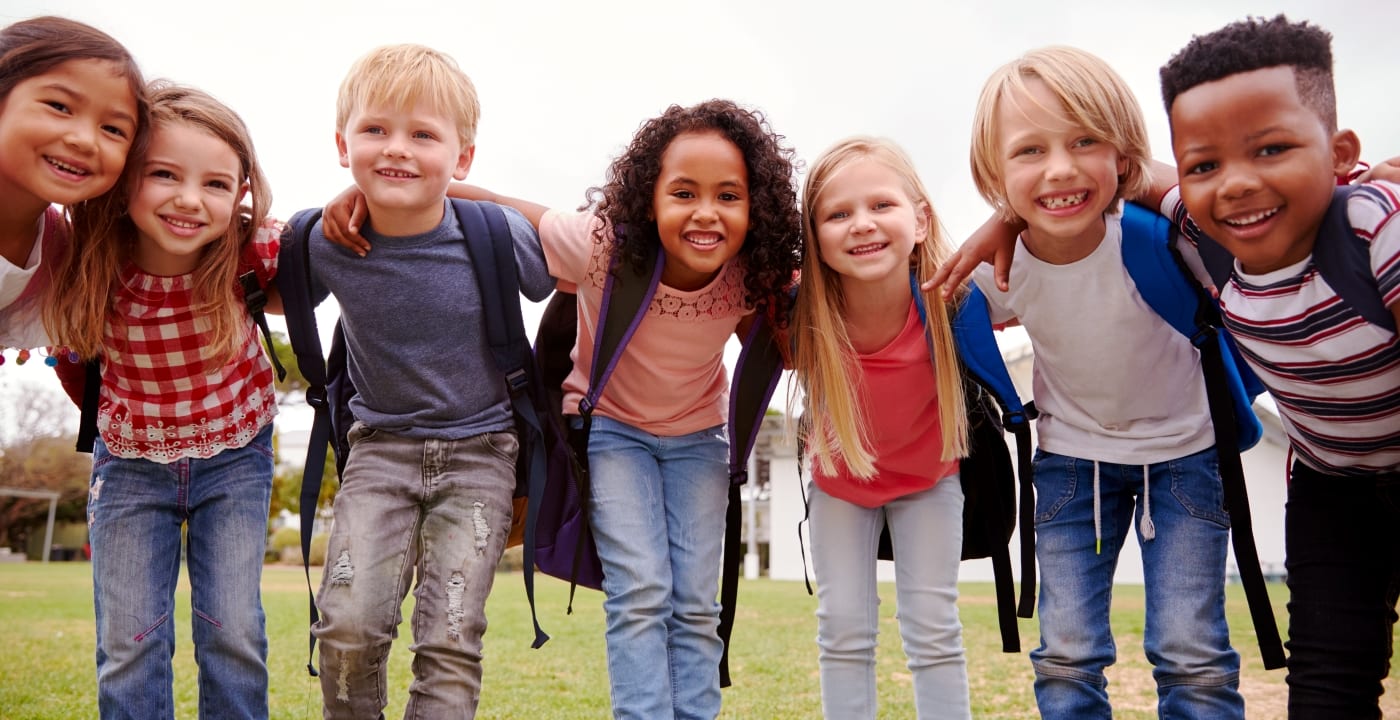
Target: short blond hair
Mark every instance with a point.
(1090, 93)
(402, 76)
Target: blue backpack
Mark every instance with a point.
(1169, 289)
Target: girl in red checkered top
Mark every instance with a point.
(149, 286)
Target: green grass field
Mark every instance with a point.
(46, 630)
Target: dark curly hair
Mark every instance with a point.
(1254, 44)
(773, 248)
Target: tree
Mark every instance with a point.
(36, 453)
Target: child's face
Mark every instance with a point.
(867, 225)
(1058, 177)
(65, 133)
(185, 197)
(701, 205)
(403, 161)
(1257, 166)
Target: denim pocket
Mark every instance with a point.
(358, 432)
(1054, 482)
(1197, 486)
(505, 445)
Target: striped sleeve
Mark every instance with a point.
(1373, 209)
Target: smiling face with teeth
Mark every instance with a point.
(1257, 166)
(1058, 177)
(189, 186)
(701, 207)
(65, 134)
(867, 224)
(403, 159)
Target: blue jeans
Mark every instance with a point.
(437, 508)
(926, 530)
(1185, 637)
(1343, 560)
(135, 512)
(657, 510)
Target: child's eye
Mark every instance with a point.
(837, 215)
(1085, 142)
(1202, 168)
(163, 174)
(730, 197)
(420, 135)
(56, 105)
(374, 130)
(883, 204)
(1026, 151)
(1271, 150)
(116, 130)
(682, 194)
(219, 185)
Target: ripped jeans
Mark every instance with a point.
(437, 508)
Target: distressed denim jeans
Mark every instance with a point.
(435, 509)
(1185, 636)
(657, 510)
(135, 512)
(926, 530)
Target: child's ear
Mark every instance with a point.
(1346, 151)
(923, 220)
(343, 149)
(464, 163)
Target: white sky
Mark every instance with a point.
(564, 83)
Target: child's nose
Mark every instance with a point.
(81, 137)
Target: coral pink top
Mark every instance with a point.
(899, 401)
(671, 378)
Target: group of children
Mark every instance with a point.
(164, 206)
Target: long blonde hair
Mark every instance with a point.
(825, 363)
(88, 274)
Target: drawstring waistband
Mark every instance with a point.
(1146, 526)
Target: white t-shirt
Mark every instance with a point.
(1113, 381)
(21, 324)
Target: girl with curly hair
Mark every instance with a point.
(712, 184)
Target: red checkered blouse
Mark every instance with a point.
(158, 400)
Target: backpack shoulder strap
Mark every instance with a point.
(756, 376)
(255, 298)
(626, 296)
(492, 251)
(1343, 259)
(1169, 289)
(981, 357)
(294, 284)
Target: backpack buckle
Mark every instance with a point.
(516, 381)
(1203, 335)
(316, 397)
(253, 295)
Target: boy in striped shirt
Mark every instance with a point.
(1254, 133)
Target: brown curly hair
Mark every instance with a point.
(772, 252)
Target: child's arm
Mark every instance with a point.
(1388, 170)
(994, 242)
(343, 215)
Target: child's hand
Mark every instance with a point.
(341, 219)
(994, 242)
(1388, 170)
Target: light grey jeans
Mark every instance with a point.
(439, 509)
(926, 528)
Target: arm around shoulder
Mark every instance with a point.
(531, 211)
(533, 272)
